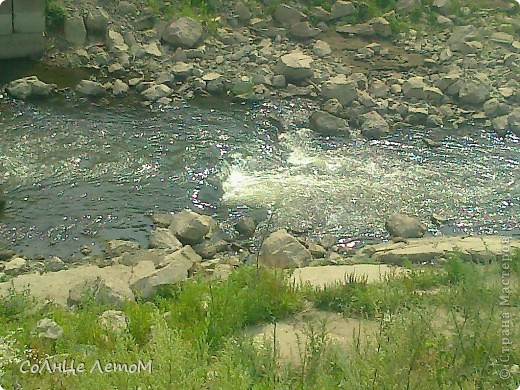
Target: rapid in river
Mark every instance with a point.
(80, 174)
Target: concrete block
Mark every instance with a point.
(6, 17)
(22, 45)
(29, 16)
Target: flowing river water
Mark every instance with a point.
(79, 174)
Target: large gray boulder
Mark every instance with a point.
(374, 126)
(29, 87)
(281, 250)
(174, 272)
(96, 22)
(303, 31)
(402, 225)
(183, 32)
(340, 88)
(295, 66)
(191, 228)
(164, 239)
(475, 90)
(462, 38)
(116, 42)
(75, 30)
(324, 123)
(513, 121)
(342, 8)
(287, 16)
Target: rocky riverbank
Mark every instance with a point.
(453, 67)
(186, 244)
(371, 76)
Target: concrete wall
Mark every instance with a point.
(22, 27)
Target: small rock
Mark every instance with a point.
(342, 8)
(48, 329)
(513, 120)
(114, 293)
(155, 92)
(55, 264)
(279, 81)
(174, 272)
(162, 220)
(287, 16)
(207, 249)
(303, 31)
(90, 88)
(242, 12)
(120, 88)
(321, 49)
(118, 247)
(114, 320)
(75, 30)
(126, 8)
(340, 88)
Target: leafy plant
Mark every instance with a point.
(55, 13)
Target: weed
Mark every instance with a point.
(55, 14)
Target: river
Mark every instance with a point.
(78, 173)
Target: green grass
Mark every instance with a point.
(436, 328)
(200, 10)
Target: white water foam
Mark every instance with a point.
(354, 188)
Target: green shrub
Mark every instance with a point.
(55, 13)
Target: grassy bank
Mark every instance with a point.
(436, 328)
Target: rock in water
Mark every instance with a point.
(28, 87)
(327, 124)
(401, 225)
(374, 126)
(191, 228)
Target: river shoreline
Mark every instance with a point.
(366, 80)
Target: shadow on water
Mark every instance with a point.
(63, 77)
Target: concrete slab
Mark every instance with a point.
(55, 286)
(331, 274)
(476, 248)
(21, 45)
(6, 17)
(29, 16)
